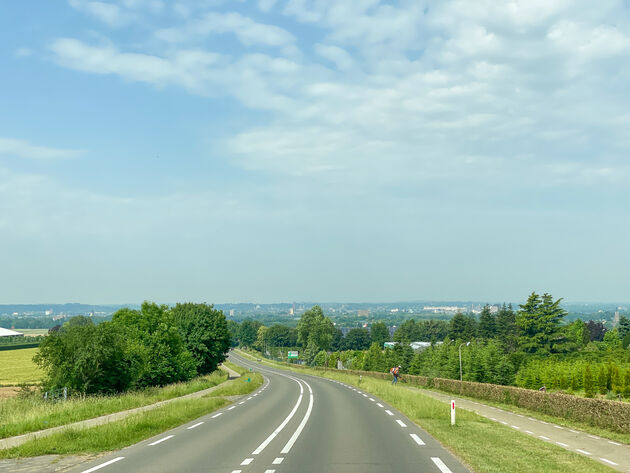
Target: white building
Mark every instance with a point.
(5, 332)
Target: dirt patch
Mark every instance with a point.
(7, 392)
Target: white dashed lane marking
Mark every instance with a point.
(161, 440)
(278, 460)
(417, 439)
(440, 464)
(216, 415)
(401, 423)
(389, 413)
(103, 465)
(562, 444)
(196, 425)
(583, 452)
(247, 461)
(379, 404)
(606, 460)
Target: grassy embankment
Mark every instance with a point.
(137, 427)
(17, 367)
(486, 446)
(21, 415)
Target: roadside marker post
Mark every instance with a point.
(452, 412)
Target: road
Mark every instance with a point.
(293, 423)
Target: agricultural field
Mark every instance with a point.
(32, 332)
(17, 367)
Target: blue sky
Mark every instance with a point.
(286, 150)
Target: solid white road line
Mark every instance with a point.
(298, 431)
(217, 415)
(161, 440)
(273, 434)
(389, 413)
(417, 439)
(277, 461)
(196, 425)
(401, 423)
(584, 452)
(440, 464)
(608, 461)
(247, 461)
(103, 465)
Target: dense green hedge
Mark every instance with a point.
(19, 346)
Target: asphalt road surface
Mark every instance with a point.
(294, 423)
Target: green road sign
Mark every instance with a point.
(292, 354)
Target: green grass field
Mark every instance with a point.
(31, 332)
(17, 367)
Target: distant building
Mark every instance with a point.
(48, 312)
(231, 312)
(5, 332)
(363, 312)
(616, 319)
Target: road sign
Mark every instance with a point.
(292, 354)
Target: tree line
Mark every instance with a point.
(153, 346)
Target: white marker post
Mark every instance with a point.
(452, 412)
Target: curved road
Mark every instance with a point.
(293, 423)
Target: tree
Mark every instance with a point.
(539, 319)
(379, 333)
(589, 385)
(279, 335)
(596, 329)
(261, 341)
(153, 336)
(602, 381)
(248, 332)
(462, 327)
(373, 360)
(233, 328)
(88, 358)
(205, 333)
(507, 330)
(487, 323)
(357, 339)
(612, 340)
(314, 328)
(337, 340)
(624, 327)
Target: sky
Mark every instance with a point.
(287, 150)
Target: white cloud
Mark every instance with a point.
(23, 149)
(266, 5)
(246, 30)
(109, 13)
(23, 52)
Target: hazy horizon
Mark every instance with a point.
(271, 150)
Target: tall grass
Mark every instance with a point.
(118, 434)
(29, 414)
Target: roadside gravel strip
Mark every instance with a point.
(608, 452)
(106, 419)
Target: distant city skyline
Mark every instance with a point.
(291, 150)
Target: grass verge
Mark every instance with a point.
(609, 434)
(119, 434)
(240, 385)
(484, 445)
(23, 415)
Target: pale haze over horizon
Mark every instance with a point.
(291, 150)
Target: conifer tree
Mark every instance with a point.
(589, 385)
